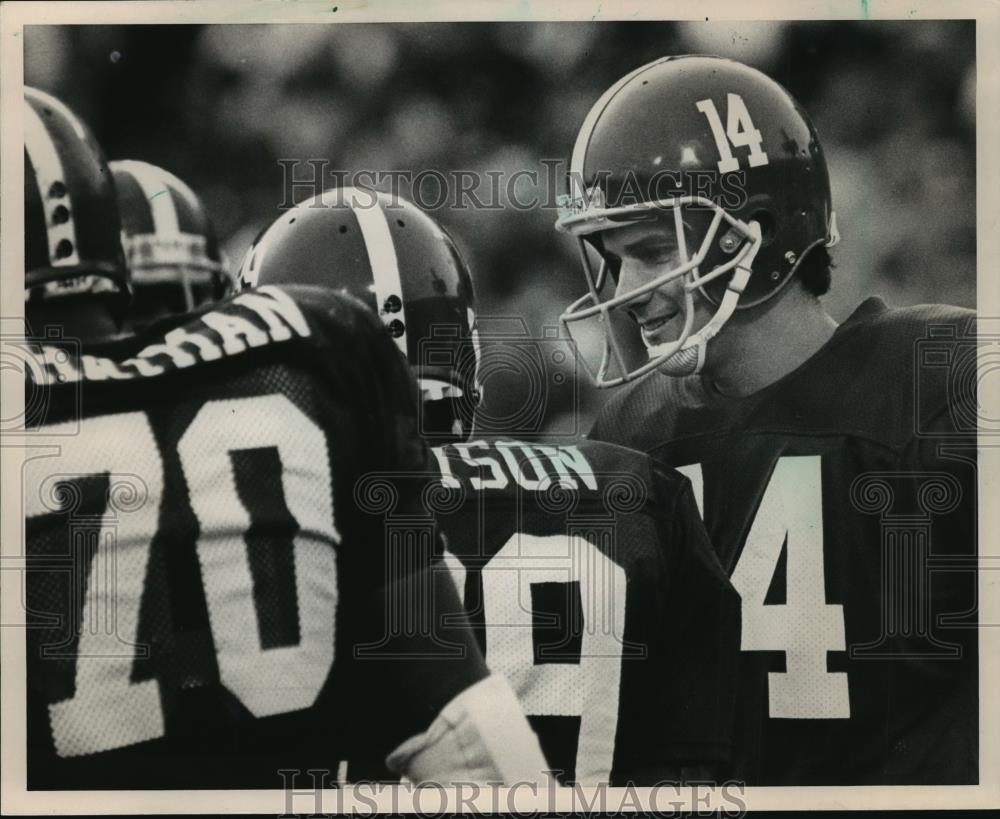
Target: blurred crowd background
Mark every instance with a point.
(894, 104)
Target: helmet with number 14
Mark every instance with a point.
(727, 163)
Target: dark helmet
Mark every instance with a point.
(71, 224)
(401, 262)
(709, 144)
(170, 243)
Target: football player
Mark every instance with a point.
(200, 585)
(835, 465)
(585, 568)
(402, 264)
(170, 244)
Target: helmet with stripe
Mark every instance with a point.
(72, 231)
(399, 261)
(169, 241)
(728, 163)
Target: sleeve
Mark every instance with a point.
(945, 485)
(481, 736)
(413, 650)
(944, 463)
(702, 620)
(417, 652)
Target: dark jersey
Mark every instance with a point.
(201, 585)
(592, 585)
(842, 501)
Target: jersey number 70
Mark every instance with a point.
(267, 681)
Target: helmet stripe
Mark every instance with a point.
(136, 211)
(54, 102)
(49, 171)
(587, 129)
(158, 194)
(381, 257)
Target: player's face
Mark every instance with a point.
(647, 251)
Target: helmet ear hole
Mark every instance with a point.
(767, 223)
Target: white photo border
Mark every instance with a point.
(14, 798)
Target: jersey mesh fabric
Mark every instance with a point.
(271, 548)
(859, 468)
(595, 590)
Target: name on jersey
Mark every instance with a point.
(268, 316)
(484, 465)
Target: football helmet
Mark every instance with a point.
(169, 242)
(72, 231)
(723, 157)
(395, 258)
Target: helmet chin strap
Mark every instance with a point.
(689, 359)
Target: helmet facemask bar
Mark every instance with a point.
(181, 261)
(590, 220)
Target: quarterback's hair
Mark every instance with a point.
(815, 271)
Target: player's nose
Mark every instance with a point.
(631, 277)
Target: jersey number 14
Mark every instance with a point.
(805, 627)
